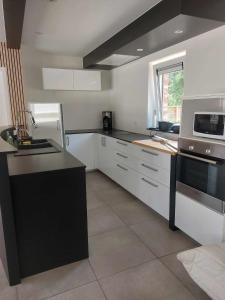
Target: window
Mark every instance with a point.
(170, 88)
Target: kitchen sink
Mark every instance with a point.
(35, 147)
(34, 144)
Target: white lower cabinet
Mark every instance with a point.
(136, 171)
(105, 163)
(126, 177)
(201, 223)
(154, 194)
(84, 147)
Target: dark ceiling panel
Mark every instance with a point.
(209, 9)
(156, 29)
(159, 14)
(14, 15)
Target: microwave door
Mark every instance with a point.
(209, 125)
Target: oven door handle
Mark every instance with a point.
(209, 161)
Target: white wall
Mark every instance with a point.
(82, 110)
(204, 74)
(2, 23)
(5, 110)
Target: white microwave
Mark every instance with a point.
(209, 125)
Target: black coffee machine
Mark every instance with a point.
(107, 120)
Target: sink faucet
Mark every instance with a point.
(31, 119)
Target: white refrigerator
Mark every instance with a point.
(49, 120)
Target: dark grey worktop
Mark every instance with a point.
(38, 163)
(115, 133)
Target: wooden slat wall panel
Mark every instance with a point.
(10, 59)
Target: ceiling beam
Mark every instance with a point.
(14, 16)
(156, 16)
(194, 17)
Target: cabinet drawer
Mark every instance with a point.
(154, 194)
(125, 158)
(154, 172)
(198, 221)
(126, 177)
(146, 167)
(121, 146)
(154, 157)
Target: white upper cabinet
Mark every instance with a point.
(67, 80)
(57, 79)
(85, 80)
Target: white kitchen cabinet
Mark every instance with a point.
(71, 80)
(105, 163)
(87, 80)
(57, 79)
(198, 221)
(83, 147)
(154, 157)
(154, 194)
(123, 163)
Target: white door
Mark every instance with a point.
(83, 147)
(5, 110)
(48, 117)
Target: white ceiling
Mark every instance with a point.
(76, 27)
(2, 24)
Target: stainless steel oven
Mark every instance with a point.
(201, 172)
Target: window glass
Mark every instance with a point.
(170, 87)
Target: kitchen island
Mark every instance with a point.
(43, 211)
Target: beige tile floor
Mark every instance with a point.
(132, 256)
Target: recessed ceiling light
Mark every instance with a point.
(178, 31)
(140, 49)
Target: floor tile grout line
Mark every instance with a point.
(17, 296)
(93, 270)
(110, 231)
(184, 285)
(107, 231)
(128, 268)
(67, 290)
(139, 238)
(142, 240)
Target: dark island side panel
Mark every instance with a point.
(50, 219)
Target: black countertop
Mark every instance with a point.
(114, 133)
(46, 162)
(37, 163)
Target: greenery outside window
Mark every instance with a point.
(170, 89)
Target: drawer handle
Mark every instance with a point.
(121, 155)
(150, 168)
(122, 167)
(149, 152)
(149, 182)
(124, 144)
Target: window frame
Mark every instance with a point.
(158, 69)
